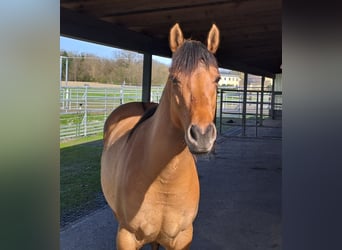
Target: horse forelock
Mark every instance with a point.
(188, 57)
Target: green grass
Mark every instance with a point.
(80, 186)
(66, 119)
(77, 141)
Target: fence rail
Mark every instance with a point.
(83, 110)
(243, 109)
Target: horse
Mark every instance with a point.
(148, 167)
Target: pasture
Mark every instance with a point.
(80, 189)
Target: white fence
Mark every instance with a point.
(83, 110)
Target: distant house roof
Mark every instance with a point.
(227, 72)
(224, 71)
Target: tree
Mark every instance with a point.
(126, 66)
(160, 73)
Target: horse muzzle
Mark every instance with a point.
(200, 140)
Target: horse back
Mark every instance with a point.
(123, 119)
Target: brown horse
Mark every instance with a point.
(148, 171)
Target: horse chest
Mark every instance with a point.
(163, 218)
(167, 211)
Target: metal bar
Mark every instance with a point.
(272, 98)
(262, 100)
(244, 105)
(147, 76)
(66, 71)
(85, 110)
(256, 115)
(221, 101)
(60, 71)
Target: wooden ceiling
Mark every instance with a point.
(250, 29)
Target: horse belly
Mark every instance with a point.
(112, 176)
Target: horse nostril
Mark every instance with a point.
(200, 139)
(210, 130)
(197, 133)
(193, 133)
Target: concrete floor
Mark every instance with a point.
(240, 206)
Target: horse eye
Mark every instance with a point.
(174, 80)
(217, 79)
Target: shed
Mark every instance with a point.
(251, 40)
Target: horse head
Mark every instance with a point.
(193, 80)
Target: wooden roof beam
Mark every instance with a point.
(84, 27)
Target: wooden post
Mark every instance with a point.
(147, 76)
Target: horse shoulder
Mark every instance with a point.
(123, 119)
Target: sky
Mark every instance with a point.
(78, 47)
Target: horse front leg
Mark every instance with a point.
(126, 240)
(183, 240)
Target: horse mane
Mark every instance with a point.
(187, 57)
(147, 114)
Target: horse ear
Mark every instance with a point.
(213, 39)
(176, 38)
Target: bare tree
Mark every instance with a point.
(125, 66)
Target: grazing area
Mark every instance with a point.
(80, 188)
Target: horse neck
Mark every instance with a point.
(163, 127)
(166, 143)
